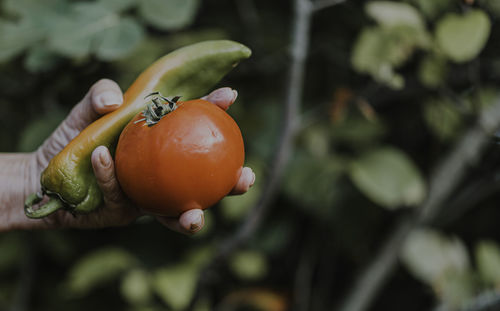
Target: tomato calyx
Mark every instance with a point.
(159, 107)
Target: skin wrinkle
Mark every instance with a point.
(13, 184)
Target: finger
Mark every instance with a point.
(247, 179)
(104, 171)
(189, 222)
(223, 97)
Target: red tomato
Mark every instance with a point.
(190, 159)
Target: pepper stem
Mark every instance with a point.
(48, 208)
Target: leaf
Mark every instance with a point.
(429, 255)
(248, 265)
(176, 284)
(34, 10)
(136, 287)
(77, 30)
(15, 37)
(316, 140)
(390, 13)
(99, 267)
(432, 8)
(311, 182)
(488, 262)
(36, 18)
(120, 40)
(379, 51)
(388, 177)
(168, 14)
(432, 71)
(462, 37)
(443, 118)
(91, 27)
(118, 5)
(456, 288)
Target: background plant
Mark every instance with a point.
(379, 127)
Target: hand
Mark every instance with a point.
(103, 97)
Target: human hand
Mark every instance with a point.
(104, 97)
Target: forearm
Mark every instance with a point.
(16, 182)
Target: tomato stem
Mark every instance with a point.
(159, 107)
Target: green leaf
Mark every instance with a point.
(120, 40)
(97, 268)
(462, 37)
(76, 32)
(176, 284)
(432, 8)
(432, 71)
(15, 38)
(249, 265)
(118, 5)
(443, 118)
(430, 256)
(455, 288)
(36, 19)
(38, 130)
(136, 287)
(488, 262)
(389, 178)
(379, 51)
(168, 14)
(311, 182)
(390, 13)
(91, 27)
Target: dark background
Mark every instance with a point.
(361, 163)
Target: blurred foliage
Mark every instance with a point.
(390, 86)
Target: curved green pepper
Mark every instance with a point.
(190, 71)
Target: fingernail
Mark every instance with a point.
(109, 99)
(235, 94)
(253, 179)
(104, 159)
(196, 221)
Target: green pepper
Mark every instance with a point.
(190, 71)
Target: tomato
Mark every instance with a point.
(191, 158)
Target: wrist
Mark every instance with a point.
(18, 178)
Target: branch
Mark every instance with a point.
(303, 281)
(446, 178)
(294, 88)
(323, 4)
